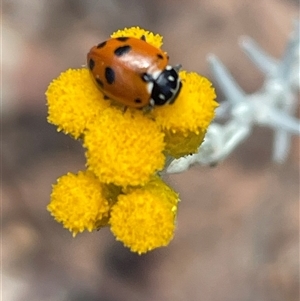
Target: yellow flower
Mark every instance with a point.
(124, 148)
(180, 144)
(144, 218)
(73, 101)
(79, 203)
(136, 32)
(185, 121)
(124, 152)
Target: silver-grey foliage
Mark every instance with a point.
(273, 106)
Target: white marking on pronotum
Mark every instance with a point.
(171, 78)
(152, 102)
(161, 96)
(156, 74)
(150, 87)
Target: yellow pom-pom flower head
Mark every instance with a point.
(124, 148)
(79, 202)
(185, 121)
(73, 101)
(144, 218)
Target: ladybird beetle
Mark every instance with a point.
(133, 72)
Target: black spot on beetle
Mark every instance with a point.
(159, 56)
(122, 39)
(122, 50)
(138, 100)
(143, 37)
(105, 97)
(91, 64)
(101, 45)
(109, 75)
(99, 82)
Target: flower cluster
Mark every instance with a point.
(125, 151)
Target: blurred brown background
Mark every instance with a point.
(237, 237)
